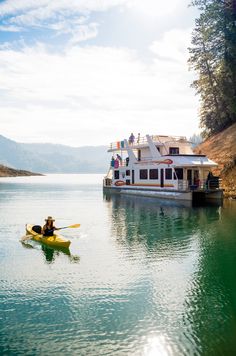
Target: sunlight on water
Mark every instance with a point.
(142, 276)
(157, 345)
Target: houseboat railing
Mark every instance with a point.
(214, 183)
(163, 139)
(183, 185)
(119, 163)
(125, 162)
(137, 141)
(107, 182)
(120, 145)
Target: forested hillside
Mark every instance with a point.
(221, 148)
(213, 57)
(51, 158)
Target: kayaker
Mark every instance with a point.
(49, 228)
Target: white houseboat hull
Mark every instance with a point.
(190, 196)
(163, 194)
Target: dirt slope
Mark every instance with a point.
(10, 172)
(221, 148)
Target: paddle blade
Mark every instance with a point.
(26, 238)
(74, 226)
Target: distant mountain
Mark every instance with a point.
(53, 158)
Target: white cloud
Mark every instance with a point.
(10, 28)
(48, 14)
(173, 45)
(155, 8)
(83, 33)
(71, 17)
(92, 95)
(48, 7)
(26, 13)
(13, 7)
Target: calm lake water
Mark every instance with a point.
(144, 277)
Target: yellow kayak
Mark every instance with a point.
(56, 240)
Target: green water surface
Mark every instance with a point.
(142, 277)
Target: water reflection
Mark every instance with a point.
(51, 253)
(158, 225)
(190, 255)
(210, 304)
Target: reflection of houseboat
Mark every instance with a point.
(163, 167)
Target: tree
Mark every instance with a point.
(213, 57)
(195, 140)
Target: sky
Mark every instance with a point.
(90, 72)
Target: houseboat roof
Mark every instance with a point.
(180, 161)
(192, 160)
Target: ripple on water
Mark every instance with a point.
(151, 278)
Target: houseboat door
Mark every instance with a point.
(132, 176)
(189, 176)
(162, 177)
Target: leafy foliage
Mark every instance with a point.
(213, 57)
(195, 140)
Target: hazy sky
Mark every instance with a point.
(88, 72)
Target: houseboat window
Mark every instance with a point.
(128, 172)
(127, 181)
(153, 174)
(143, 174)
(174, 150)
(168, 173)
(117, 174)
(179, 173)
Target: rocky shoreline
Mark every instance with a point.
(11, 172)
(221, 148)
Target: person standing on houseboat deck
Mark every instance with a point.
(112, 161)
(138, 139)
(119, 157)
(49, 228)
(131, 139)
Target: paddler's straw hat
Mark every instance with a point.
(49, 218)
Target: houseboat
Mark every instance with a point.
(162, 167)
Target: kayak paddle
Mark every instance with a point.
(69, 227)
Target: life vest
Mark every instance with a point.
(49, 232)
